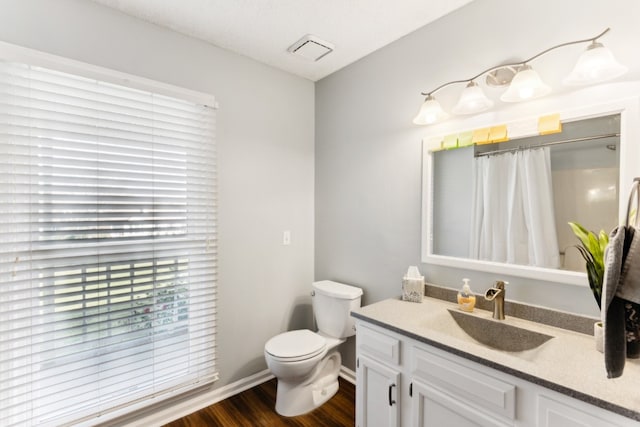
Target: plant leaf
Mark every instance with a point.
(592, 248)
(580, 232)
(585, 254)
(604, 240)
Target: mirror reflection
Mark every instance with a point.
(511, 202)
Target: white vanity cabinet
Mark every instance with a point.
(564, 412)
(377, 393)
(431, 407)
(444, 392)
(377, 379)
(402, 381)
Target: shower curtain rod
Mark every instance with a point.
(545, 144)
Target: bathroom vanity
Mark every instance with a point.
(416, 366)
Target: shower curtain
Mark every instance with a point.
(512, 210)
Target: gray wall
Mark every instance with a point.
(265, 134)
(368, 153)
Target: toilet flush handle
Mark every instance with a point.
(313, 293)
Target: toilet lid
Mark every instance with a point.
(299, 344)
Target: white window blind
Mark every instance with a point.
(107, 246)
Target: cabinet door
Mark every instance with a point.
(377, 394)
(432, 407)
(469, 385)
(566, 412)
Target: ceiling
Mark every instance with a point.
(264, 29)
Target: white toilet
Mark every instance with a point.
(306, 363)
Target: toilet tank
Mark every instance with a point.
(332, 305)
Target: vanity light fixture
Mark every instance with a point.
(595, 65)
(472, 100)
(526, 84)
(430, 112)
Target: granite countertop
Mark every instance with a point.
(569, 363)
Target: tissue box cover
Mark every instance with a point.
(412, 290)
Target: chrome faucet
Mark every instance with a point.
(496, 294)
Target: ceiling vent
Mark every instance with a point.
(311, 47)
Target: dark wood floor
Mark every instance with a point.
(255, 408)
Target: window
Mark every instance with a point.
(107, 246)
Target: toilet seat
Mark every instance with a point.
(295, 346)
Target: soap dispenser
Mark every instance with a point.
(466, 299)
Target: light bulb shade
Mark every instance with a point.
(472, 100)
(430, 112)
(526, 85)
(595, 65)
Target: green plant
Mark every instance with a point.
(592, 250)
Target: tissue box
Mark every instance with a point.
(412, 290)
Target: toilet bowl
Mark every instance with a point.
(306, 363)
(306, 378)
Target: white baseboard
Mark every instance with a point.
(172, 412)
(348, 375)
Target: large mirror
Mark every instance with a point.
(504, 207)
(577, 181)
